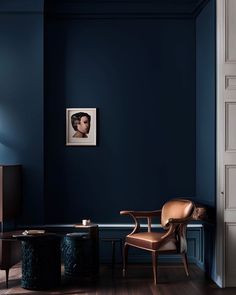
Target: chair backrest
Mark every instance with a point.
(178, 208)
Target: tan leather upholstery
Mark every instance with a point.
(174, 216)
(177, 209)
(152, 240)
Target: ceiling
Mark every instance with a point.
(126, 8)
(107, 8)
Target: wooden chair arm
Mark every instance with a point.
(173, 223)
(136, 215)
(169, 233)
(141, 214)
(179, 220)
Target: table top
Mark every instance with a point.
(18, 234)
(80, 225)
(9, 235)
(36, 236)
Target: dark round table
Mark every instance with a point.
(41, 261)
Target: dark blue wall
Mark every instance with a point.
(140, 74)
(206, 123)
(206, 105)
(21, 102)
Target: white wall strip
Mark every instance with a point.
(120, 225)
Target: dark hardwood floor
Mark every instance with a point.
(172, 281)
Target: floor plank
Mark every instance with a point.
(171, 281)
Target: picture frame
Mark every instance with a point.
(81, 126)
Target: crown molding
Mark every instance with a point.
(199, 7)
(21, 6)
(116, 9)
(106, 9)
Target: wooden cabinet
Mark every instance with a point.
(10, 193)
(10, 204)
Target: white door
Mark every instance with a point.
(226, 143)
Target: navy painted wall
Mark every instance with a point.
(206, 124)
(140, 74)
(206, 105)
(21, 100)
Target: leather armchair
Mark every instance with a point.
(174, 216)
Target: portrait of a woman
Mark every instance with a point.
(81, 124)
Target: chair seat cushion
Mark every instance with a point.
(151, 241)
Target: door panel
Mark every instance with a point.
(230, 258)
(230, 25)
(230, 187)
(226, 141)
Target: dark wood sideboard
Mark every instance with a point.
(10, 204)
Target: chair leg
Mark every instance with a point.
(7, 275)
(125, 258)
(121, 250)
(154, 265)
(185, 261)
(113, 256)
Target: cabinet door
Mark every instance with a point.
(226, 142)
(10, 192)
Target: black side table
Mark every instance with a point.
(85, 251)
(76, 250)
(41, 261)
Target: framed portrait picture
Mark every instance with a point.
(81, 125)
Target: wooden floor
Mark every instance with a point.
(172, 281)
